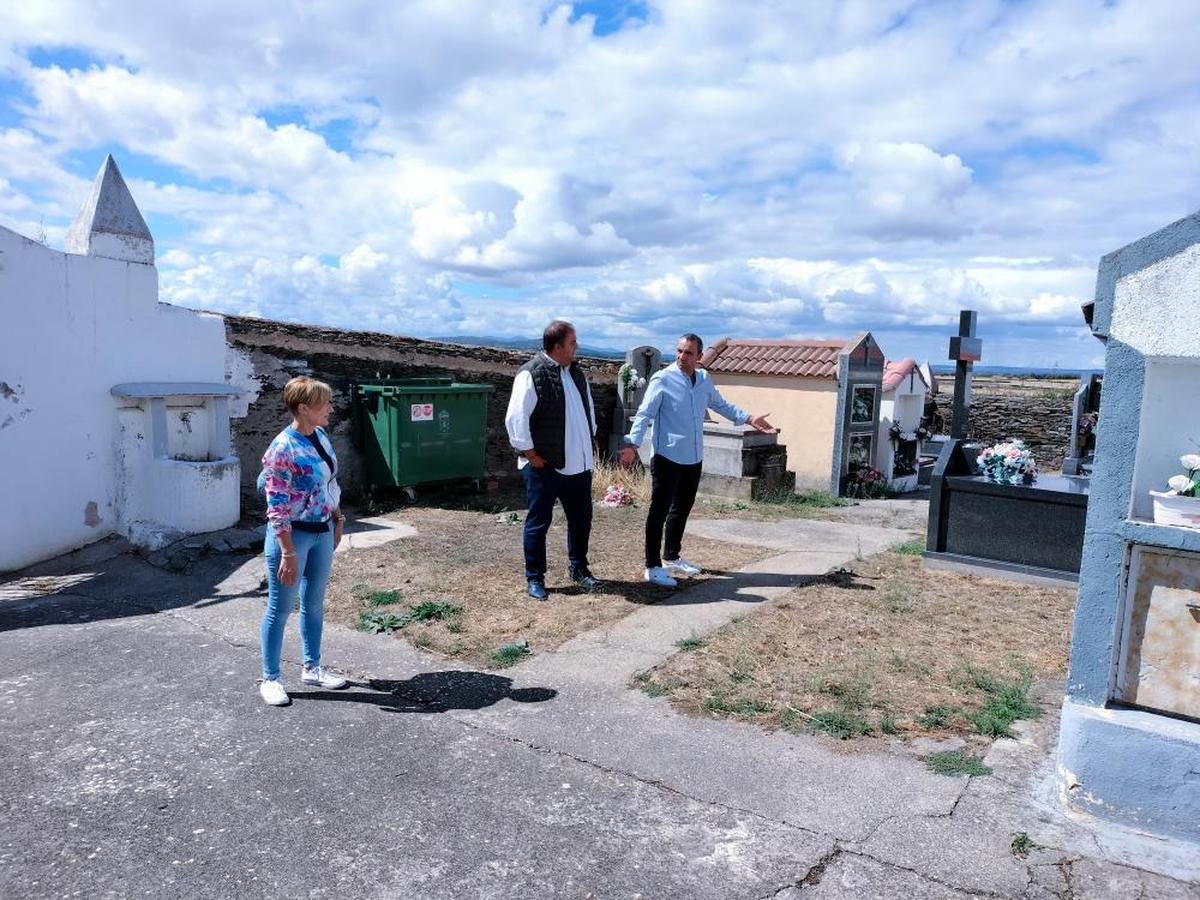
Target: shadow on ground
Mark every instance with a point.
(689, 593)
(434, 692)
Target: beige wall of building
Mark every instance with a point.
(803, 409)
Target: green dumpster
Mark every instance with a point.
(416, 430)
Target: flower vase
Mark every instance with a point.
(1172, 509)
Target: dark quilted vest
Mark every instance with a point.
(548, 422)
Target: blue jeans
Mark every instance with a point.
(543, 487)
(314, 558)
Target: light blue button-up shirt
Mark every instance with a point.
(676, 406)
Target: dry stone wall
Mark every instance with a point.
(264, 354)
(1038, 411)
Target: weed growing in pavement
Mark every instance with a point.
(384, 598)
(910, 548)
(955, 762)
(839, 724)
(1022, 844)
(690, 643)
(509, 654)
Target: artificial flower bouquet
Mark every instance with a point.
(617, 495)
(1009, 462)
(1181, 504)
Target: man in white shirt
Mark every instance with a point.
(551, 424)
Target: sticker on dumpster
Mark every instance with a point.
(444, 422)
(422, 412)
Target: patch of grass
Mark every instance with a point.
(887, 723)
(645, 681)
(737, 676)
(509, 654)
(690, 643)
(454, 626)
(839, 724)
(810, 499)
(1007, 701)
(433, 610)
(897, 596)
(1022, 845)
(910, 548)
(375, 622)
(852, 690)
(422, 640)
(740, 706)
(384, 598)
(903, 662)
(936, 716)
(955, 762)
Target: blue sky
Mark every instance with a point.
(759, 169)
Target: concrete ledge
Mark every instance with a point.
(1132, 767)
(993, 568)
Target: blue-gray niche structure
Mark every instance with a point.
(1129, 746)
(860, 391)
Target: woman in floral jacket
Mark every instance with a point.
(304, 526)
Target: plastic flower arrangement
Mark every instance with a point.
(630, 380)
(1009, 462)
(617, 495)
(1186, 485)
(865, 482)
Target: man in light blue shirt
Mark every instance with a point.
(676, 401)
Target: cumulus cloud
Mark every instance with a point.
(752, 168)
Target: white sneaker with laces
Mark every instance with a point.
(681, 567)
(318, 677)
(273, 693)
(658, 575)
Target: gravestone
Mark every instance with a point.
(1129, 744)
(856, 419)
(642, 362)
(743, 463)
(1085, 418)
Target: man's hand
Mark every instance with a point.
(535, 459)
(761, 424)
(628, 455)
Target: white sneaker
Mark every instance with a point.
(318, 677)
(658, 575)
(682, 567)
(273, 693)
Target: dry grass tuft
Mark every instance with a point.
(636, 480)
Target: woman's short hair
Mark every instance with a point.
(556, 332)
(308, 391)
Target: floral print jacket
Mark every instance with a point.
(300, 487)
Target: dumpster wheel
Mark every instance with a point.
(410, 492)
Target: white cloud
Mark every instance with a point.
(755, 167)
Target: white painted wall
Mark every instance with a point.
(72, 327)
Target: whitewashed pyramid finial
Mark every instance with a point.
(109, 223)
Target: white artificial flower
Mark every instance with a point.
(1190, 461)
(1180, 483)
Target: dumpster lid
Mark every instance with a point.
(423, 386)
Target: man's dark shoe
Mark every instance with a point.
(585, 579)
(536, 589)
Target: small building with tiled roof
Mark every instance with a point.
(901, 412)
(806, 387)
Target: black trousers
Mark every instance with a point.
(672, 493)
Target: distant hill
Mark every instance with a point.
(529, 344)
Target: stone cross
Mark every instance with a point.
(965, 350)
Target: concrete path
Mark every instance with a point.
(136, 758)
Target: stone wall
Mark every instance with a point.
(1036, 410)
(264, 354)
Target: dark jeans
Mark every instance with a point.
(672, 493)
(542, 488)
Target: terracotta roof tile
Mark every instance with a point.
(812, 359)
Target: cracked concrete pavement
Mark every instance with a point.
(138, 759)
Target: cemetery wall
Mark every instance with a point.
(1036, 410)
(73, 327)
(263, 354)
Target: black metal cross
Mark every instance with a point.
(965, 350)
